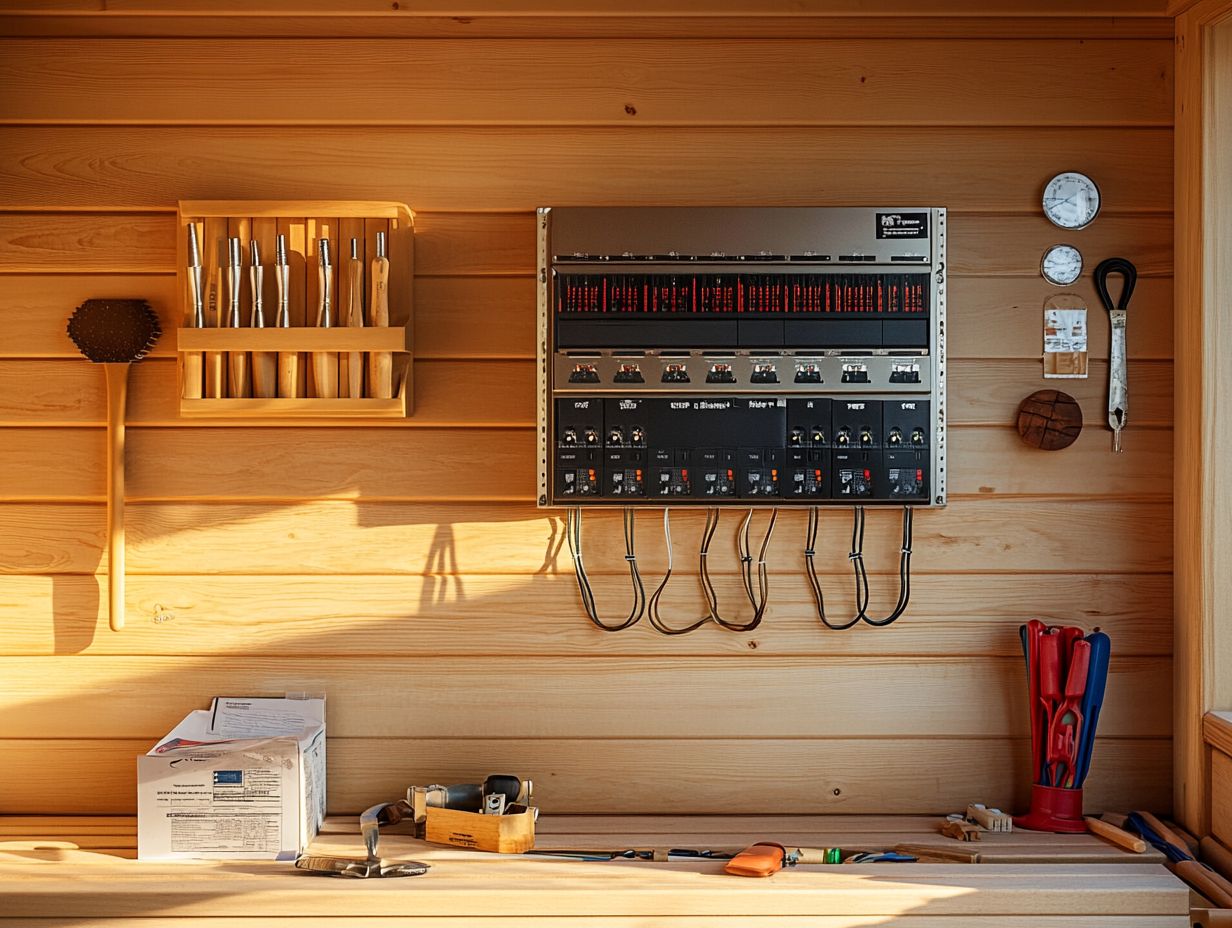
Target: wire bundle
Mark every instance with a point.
(859, 570)
(759, 598)
(573, 532)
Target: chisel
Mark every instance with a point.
(352, 362)
(288, 361)
(380, 363)
(237, 360)
(193, 360)
(264, 363)
(215, 366)
(325, 363)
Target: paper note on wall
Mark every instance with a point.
(1065, 343)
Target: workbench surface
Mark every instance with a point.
(80, 872)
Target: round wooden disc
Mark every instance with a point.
(1049, 420)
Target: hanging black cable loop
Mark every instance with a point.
(652, 605)
(573, 532)
(759, 598)
(810, 569)
(859, 570)
(904, 578)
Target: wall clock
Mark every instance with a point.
(1071, 200)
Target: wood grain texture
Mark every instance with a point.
(502, 243)
(494, 317)
(982, 393)
(615, 82)
(672, 921)
(537, 615)
(263, 588)
(1221, 796)
(118, 24)
(470, 168)
(305, 463)
(617, 697)
(460, 538)
(738, 8)
(623, 776)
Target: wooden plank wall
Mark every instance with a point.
(402, 568)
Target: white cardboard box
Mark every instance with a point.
(244, 779)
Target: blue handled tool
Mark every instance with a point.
(1092, 702)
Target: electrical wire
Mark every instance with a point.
(904, 575)
(761, 598)
(859, 570)
(573, 532)
(652, 605)
(810, 569)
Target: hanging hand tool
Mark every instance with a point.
(1066, 727)
(325, 363)
(1092, 701)
(288, 361)
(193, 360)
(237, 360)
(353, 317)
(215, 363)
(115, 333)
(1031, 633)
(1118, 378)
(380, 363)
(264, 363)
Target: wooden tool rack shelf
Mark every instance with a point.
(304, 223)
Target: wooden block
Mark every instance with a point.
(504, 834)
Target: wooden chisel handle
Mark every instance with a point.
(264, 374)
(1118, 836)
(238, 361)
(1207, 882)
(353, 361)
(380, 363)
(288, 374)
(194, 373)
(325, 374)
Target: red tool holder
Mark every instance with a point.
(1066, 675)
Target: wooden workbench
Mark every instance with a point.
(79, 872)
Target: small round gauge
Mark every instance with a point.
(1071, 200)
(1062, 265)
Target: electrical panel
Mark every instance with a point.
(744, 356)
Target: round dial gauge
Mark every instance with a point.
(1062, 265)
(1071, 200)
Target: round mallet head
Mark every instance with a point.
(1049, 420)
(114, 331)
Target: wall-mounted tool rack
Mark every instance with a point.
(303, 224)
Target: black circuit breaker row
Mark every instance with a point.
(717, 448)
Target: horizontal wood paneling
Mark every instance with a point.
(310, 463)
(620, 82)
(331, 558)
(522, 168)
(493, 317)
(468, 244)
(742, 8)
(663, 776)
(311, 538)
(617, 697)
(322, 616)
(984, 393)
